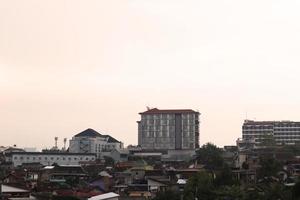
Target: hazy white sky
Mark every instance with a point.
(69, 65)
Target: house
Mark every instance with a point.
(103, 182)
(62, 173)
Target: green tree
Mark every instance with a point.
(296, 191)
(199, 186)
(167, 195)
(211, 156)
(225, 177)
(277, 191)
(229, 193)
(268, 167)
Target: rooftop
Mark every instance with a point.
(92, 133)
(88, 133)
(269, 122)
(168, 111)
(109, 195)
(10, 189)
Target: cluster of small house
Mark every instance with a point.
(133, 179)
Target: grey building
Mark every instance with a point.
(283, 132)
(168, 129)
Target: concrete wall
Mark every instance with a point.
(49, 159)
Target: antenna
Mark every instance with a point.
(65, 141)
(56, 138)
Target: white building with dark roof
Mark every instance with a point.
(90, 141)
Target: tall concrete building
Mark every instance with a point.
(284, 132)
(168, 129)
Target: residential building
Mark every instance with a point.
(168, 129)
(61, 173)
(283, 132)
(48, 158)
(90, 141)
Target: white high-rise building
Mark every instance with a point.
(283, 132)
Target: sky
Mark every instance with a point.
(68, 65)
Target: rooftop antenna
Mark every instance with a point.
(56, 138)
(65, 141)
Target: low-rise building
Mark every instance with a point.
(48, 158)
(62, 173)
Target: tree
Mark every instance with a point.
(211, 156)
(166, 195)
(229, 193)
(224, 177)
(277, 191)
(199, 186)
(296, 191)
(269, 167)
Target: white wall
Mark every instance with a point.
(49, 159)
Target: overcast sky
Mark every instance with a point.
(70, 65)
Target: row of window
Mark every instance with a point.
(51, 158)
(165, 134)
(169, 116)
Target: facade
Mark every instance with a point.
(168, 129)
(90, 141)
(283, 132)
(49, 158)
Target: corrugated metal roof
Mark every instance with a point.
(10, 189)
(104, 196)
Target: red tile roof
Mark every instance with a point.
(169, 111)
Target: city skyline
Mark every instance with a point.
(66, 66)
